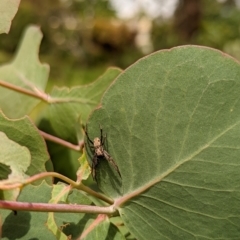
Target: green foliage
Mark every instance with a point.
(66, 105)
(20, 156)
(32, 223)
(8, 9)
(172, 126)
(29, 74)
(25, 133)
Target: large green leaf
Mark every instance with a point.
(8, 9)
(173, 125)
(24, 132)
(24, 71)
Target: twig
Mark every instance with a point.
(62, 142)
(40, 95)
(80, 186)
(48, 207)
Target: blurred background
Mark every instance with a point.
(83, 37)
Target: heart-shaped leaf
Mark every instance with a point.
(173, 125)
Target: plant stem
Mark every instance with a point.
(7, 185)
(48, 207)
(100, 218)
(40, 95)
(62, 142)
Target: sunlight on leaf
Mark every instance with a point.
(17, 158)
(72, 224)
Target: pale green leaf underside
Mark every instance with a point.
(15, 156)
(24, 132)
(24, 71)
(173, 125)
(8, 9)
(14, 162)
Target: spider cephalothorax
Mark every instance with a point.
(97, 147)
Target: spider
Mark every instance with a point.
(97, 147)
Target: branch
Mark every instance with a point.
(62, 142)
(6, 185)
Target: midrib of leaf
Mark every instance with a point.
(189, 122)
(121, 200)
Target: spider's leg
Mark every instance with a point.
(110, 160)
(104, 138)
(101, 133)
(94, 165)
(88, 138)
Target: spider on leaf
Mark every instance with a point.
(97, 147)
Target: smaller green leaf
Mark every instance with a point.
(24, 71)
(17, 158)
(71, 224)
(24, 132)
(8, 9)
(68, 105)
